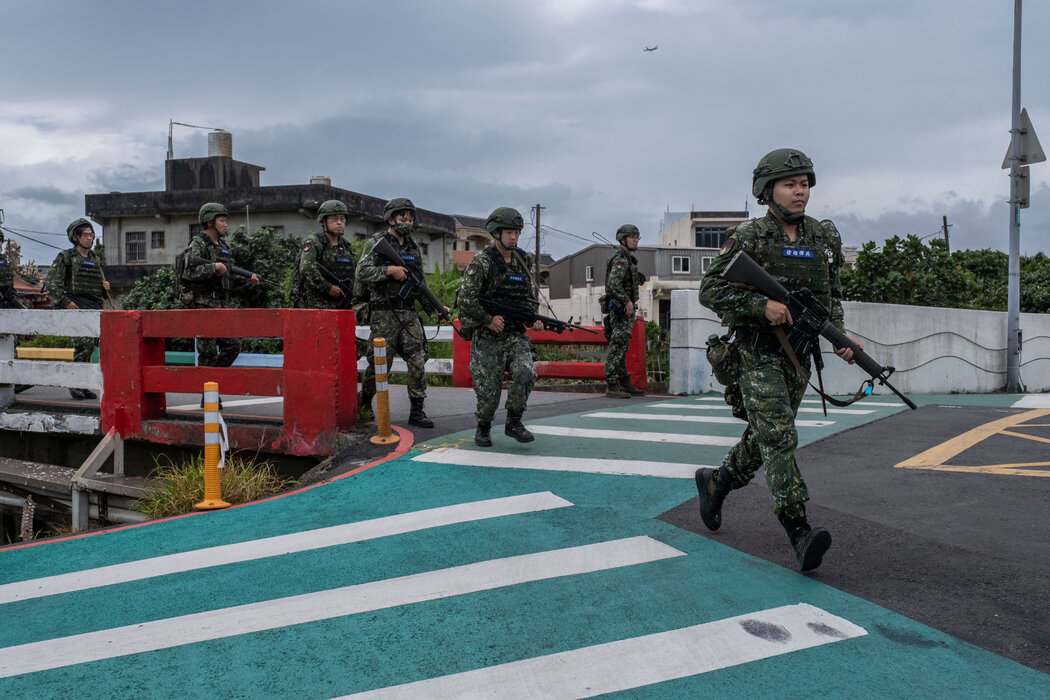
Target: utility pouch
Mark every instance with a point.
(724, 356)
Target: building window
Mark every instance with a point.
(705, 263)
(277, 230)
(680, 264)
(588, 273)
(135, 247)
(709, 236)
(156, 239)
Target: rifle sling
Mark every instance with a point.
(860, 394)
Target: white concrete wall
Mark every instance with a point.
(935, 350)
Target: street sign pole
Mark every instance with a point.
(1013, 290)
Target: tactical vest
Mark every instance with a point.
(7, 275)
(216, 252)
(390, 287)
(509, 281)
(805, 263)
(632, 263)
(85, 274)
(337, 259)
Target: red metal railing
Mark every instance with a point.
(318, 379)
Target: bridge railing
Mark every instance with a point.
(14, 322)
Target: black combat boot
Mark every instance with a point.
(625, 384)
(613, 391)
(810, 543)
(88, 394)
(364, 407)
(416, 415)
(516, 430)
(713, 485)
(77, 394)
(482, 437)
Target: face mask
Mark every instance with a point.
(405, 229)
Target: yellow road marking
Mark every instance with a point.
(935, 458)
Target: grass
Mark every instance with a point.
(179, 486)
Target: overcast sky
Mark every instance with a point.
(466, 105)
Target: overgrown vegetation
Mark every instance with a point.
(908, 271)
(179, 486)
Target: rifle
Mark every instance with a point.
(347, 302)
(231, 269)
(809, 318)
(84, 302)
(9, 298)
(524, 312)
(415, 279)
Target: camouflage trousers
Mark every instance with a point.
(492, 354)
(772, 391)
(404, 336)
(619, 334)
(83, 348)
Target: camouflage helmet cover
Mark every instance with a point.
(778, 164)
(211, 210)
(74, 228)
(627, 230)
(332, 207)
(504, 217)
(398, 204)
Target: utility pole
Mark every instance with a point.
(944, 225)
(536, 262)
(1013, 287)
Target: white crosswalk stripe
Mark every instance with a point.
(615, 415)
(640, 661)
(323, 605)
(726, 407)
(635, 435)
(276, 546)
(505, 460)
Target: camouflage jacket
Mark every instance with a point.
(737, 305)
(201, 280)
(371, 270)
(59, 282)
(621, 277)
(481, 277)
(309, 287)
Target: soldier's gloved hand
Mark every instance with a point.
(777, 313)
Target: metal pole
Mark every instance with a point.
(536, 263)
(1013, 290)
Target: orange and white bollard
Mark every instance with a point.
(384, 436)
(215, 445)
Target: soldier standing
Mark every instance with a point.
(207, 285)
(76, 281)
(800, 252)
(392, 317)
(619, 306)
(500, 271)
(311, 289)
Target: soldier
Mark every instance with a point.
(392, 317)
(8, 297)
(501, 270)
(619, 307)
(76, 281)
(207, 286)
(310, 288)
(800, 252)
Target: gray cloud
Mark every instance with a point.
(44, 195)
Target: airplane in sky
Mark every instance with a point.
(653, 48)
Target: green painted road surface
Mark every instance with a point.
(535, 570)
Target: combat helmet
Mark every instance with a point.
(74, 228)
(398, 204)
(625, 231)
(504, 217)
(210, 211)
(333, 207)
(781, 163)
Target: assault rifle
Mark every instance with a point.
(84, 302)
(415, 280)
(809, 317)
(347, 302)
(524, 312)
(231, 269)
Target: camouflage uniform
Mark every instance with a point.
(771, 387)
(82, 276)
(621, 287)
(491, 353)
(393, 318)
(203, 289)
(309, 288)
